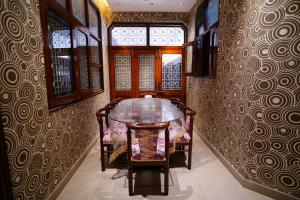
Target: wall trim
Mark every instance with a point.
(71, 172)
(275, 194)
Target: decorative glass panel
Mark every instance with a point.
(93, 20)
(146, 72)
(171, 71)
(82, 43)
(122, 72)
(78, 10)
(129, 36)
(62, 3)
(95, 51)
(60, 46)
(96, 79)
(166, 36)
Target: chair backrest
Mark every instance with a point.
(188, 117)
(102, 117)
(137, 132)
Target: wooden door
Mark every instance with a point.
(146, 68)
(138, 72)
(122, 74)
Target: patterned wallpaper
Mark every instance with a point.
(42, 146)
(251, 112)
(154, 17)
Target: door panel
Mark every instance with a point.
(135, 73)
(171, 71)
(172, 82)
(121, 74)
(146, 64)
(123, 80)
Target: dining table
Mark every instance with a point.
(142, 111)
(145, 111)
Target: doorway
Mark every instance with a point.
(138, 72)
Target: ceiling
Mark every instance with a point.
(151, 5)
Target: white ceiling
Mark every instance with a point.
(151, 5)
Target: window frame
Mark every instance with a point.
(57, 102)
(147, 25)
(159, 50)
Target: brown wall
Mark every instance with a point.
(155, 17)
(42, 146)
(251, 112)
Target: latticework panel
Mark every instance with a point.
(122, 64)
(146, 72)
(82, 44)
(96, 79)
(166, 36)
(171, 71)
(129, 36)
(95, 56)
(60, 45)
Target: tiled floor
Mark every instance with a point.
(208, 180)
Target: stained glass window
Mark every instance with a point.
(93, 20)
(96, 79)
(95, 51)
(122, 64)
(166, 36)
(59, 37)
(78, 10)
(129, 36)
(171, 71)
(146, 72)
(82, 44)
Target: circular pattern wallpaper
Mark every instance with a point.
(42, 147)
(251, 112)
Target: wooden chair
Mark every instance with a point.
(110, 132)
(182, 131)
(154, 154)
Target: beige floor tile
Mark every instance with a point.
(208, 180)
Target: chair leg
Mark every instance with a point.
(190, 157)
(102, 158)
(130, 185)
(166, 181)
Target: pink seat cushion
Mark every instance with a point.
(115, 133)
(179, 132)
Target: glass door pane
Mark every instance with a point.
(60, 45)
(122, 65)
(146, 64)
(171, 71)
(82, 46)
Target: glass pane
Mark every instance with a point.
(122, 72)
(93, 20)
(78, 10)
(212, 12)
(83, 60)
(129, 36)
(96, 79)
(60, 47)
(171, 71)
(166, 36)
(63, 3)
(95, 51)
(146, 72)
